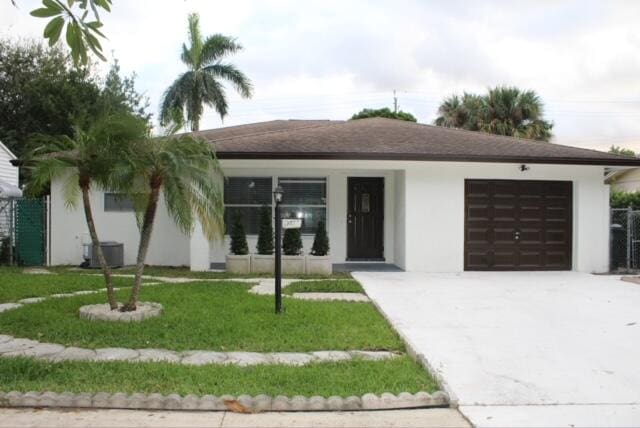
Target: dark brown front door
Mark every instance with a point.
(365, 218)
(518, 225)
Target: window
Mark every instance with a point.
(305, 198)
(117, 202)
(246, 195)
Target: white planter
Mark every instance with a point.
(319, 265)
(262, 263)
(238, 264)
(293, 265)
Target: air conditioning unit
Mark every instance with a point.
(113, 254)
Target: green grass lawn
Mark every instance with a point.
(15, 285)
(332, 286)
(183, 271)
(219, 316)
(326, 379)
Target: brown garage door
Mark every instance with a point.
(518, 225)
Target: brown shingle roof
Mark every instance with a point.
(389, 139)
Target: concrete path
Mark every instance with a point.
(425, 418)
(523, 348)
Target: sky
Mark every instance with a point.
(329, 59)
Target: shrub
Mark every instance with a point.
(320, 241)
(239, 245)
(5, 250)
(265, 234)
(292, 242)
(621, 199)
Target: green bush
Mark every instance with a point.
(621, 199)
(5, 250)
(320, 241)
(265, 234)
(239, 245)
(292, 242)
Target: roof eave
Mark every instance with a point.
(427, 157)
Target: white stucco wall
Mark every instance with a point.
(435, 211)
(69, 230)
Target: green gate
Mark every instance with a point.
(30, 232)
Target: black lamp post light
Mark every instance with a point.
(278, 195)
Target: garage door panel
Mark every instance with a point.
(518, 225)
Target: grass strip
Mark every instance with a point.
(326, 379)
(326, 286)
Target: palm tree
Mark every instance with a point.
(510, 111)
(503, 111)
(185, 171)
(87, 158)
(201, 84)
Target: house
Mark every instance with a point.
(625, 180)
(9, 178)
(421, 197)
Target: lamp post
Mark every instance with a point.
(278, 194)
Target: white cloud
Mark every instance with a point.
(328, 59)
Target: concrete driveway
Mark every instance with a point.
(523, 348)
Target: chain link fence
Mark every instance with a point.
(624, 240)
(23, 231)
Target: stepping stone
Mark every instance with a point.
(332, 355)
(115, 354)
(38, 351)
(5, 338)
(17, 345)
(73, 354)
(155, 355)
(36, 271)
(374, 355)
(9, 306)
(61, 295)
(199, 358)
(32, 300)
(81, 293)
(346, 297)
(292, 358)
(247, 358)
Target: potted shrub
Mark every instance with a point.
(263, 262)
(319, 261)
(239, 261)
(292, 259)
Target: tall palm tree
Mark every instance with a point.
(87, 158)
(503, 111)
(510, 111)
(201, 84)
(185, 172)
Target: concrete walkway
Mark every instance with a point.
(523, 348)
(424, 418)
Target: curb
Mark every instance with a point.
(241, 403)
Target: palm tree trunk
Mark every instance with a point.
(195, 125)
(106, 271)
(143, 247)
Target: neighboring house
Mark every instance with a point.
(626, 180)
(8, 172)
(421, 197)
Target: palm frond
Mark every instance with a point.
(230, 73)
(218, 46)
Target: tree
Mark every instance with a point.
(185, 172)
(265, 234)
(88, 157)
(238, 236)
(81, 35)
(42, 92)
(617, 150)
(320, 241)
(383, 112)
(502, 111)
(201, 84)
